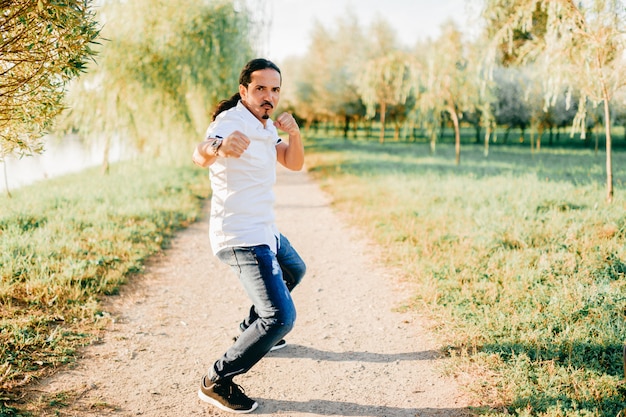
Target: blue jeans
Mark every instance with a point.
(268, 279)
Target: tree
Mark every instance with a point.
(43, 45)
(511, 110)
(327, 90)
(385, 81)
(159, 74)
(448, 85)
(347, 62)
(483, 98)
(583, 47)
(308, 94)
(386, 76)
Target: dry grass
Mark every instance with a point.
(70, 241)
(517, 256)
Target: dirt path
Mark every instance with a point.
(350, 353)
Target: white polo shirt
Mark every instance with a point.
(242, 204)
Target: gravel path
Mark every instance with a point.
(350, 353)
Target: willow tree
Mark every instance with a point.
(385, 81)
(326, 90)
(43, 45)
(447, 83)
(347, 61)
(305, 90)
(160, 73)
(581, 45)
(384, 78)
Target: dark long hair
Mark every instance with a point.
(245, 77)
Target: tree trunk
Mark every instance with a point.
(487, 135)
(383, 110)
(433, 141)
(105, 154)
(609, 161)
(457, 135)
(6, 179)
(551, 135)
(442, 129)
(539, 135)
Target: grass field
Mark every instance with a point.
(516, 256)
(65, 243)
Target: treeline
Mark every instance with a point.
(160, 68)
(537, 65)
(354, 75)
(513, 116)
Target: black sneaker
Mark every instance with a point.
(226, 395)
(281, 344)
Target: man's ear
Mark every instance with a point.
(243, 92)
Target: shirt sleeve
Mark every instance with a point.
(275, 133)
(220, 128)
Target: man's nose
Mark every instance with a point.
(271, 95)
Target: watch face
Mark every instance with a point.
(216, 145)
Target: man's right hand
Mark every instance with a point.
(234, 145)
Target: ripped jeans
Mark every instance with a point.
(268, 279)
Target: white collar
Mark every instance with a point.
(268, 124)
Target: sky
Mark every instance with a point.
(291, 21)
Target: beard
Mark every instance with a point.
(266, 115)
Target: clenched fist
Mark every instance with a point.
(234, 145)
(287, 123)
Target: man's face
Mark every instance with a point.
(262, 95)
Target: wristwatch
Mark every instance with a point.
(215, 145)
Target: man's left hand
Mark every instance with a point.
(287, 123)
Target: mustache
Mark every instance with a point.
(268, 103)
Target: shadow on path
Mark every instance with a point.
(338, 408)
(300, 351)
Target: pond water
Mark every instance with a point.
(61, 156)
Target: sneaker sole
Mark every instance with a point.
(222, 407)
(278, 347)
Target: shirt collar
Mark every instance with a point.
(252, 118)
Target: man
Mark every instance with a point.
(241, 149)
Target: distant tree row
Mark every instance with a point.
(163, 65)
(539, 65)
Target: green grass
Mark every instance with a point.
(66, 243)
(516, 257)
